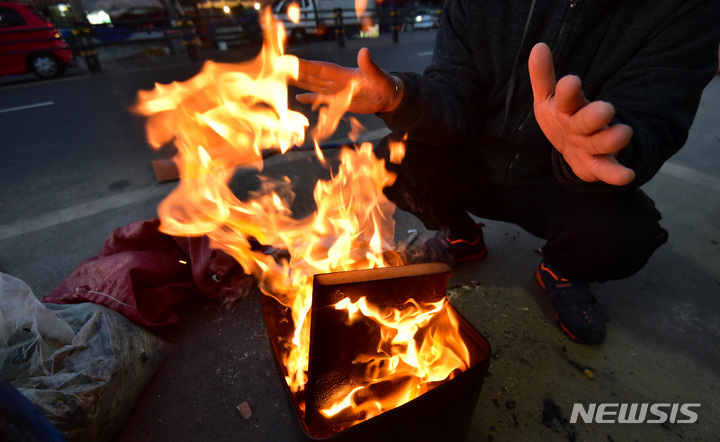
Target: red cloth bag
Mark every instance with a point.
(143, 274)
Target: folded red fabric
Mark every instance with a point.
(144, 274)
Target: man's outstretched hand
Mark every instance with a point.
(375, 90)
(578, 129)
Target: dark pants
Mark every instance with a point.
(589, 237)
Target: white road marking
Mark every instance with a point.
(690, 175)
(144, 194)
(425, 54)
(27, 106)
(119, 200)
(82, 210)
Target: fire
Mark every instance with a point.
(293, 12)
(366, 22)
(360, 7)
(397, 150)
(226, 118)
(400, 356)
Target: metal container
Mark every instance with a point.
(442, 414)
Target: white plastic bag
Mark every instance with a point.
(82, 365)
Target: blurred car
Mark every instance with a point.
(30, 43)
(424, 17)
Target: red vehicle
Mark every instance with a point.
(30, 43)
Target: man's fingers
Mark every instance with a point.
(308, 69)
(569, 96)
(322, 84)
(610, 140)
(313, 85)
(307, 98)
(372, 72)
(592, 118)
(570, 116)
(364, 61)
(322, 77)
(542, 72)
(315, 68)
(606, 168)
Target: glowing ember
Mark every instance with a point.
(225, 118)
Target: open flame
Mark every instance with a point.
(293, 12)
(397, 150)
(227, 117)
(400, 356)
(360, 7)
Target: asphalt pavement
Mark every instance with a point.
(76, 166)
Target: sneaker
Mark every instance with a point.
(575, 307)
(441, 248)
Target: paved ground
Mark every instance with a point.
(662, 347)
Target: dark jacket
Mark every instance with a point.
(650, 59)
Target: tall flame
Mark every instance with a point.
(360, 7)
(293, 12)
(225, 118)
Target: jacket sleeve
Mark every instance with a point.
(658, 90)
(443, 106)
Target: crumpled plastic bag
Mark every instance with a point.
(82, 365)
(20, 420)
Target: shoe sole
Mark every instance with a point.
(471, 258)
(557, 318)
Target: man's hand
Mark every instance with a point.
(374, 89)
(576, 127)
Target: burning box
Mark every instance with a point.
(363, 381)
(366, 354)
